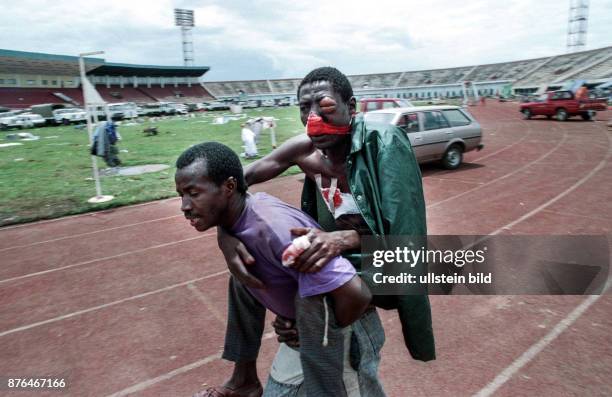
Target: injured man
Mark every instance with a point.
(210, 182)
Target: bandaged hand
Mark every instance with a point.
(323, 247)
(295, 249)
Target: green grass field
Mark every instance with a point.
(52, 176)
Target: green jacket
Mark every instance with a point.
(385, 180)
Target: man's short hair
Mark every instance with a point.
(221, 163)
(337, 79)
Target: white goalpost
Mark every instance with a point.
(93, 101)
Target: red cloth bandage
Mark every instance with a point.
(316, 126)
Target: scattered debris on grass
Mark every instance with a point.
(10, 144)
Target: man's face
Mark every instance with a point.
(202, 201)
(320, 98)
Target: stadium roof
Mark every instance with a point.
(123, 69)
(39, 63)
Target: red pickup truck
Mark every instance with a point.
(563, 105)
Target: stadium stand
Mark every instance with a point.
(562, 65)
(503, 71)
(219, 89)
(125, 94)
(171, 93)
(489, 78)
(602, 70)
(384, 80)
(31, 78)
(252, 87)
(287, 86)
(19, 98)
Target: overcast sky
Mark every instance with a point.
(242, 39)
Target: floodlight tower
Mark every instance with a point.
(184, 19)
(577, 25)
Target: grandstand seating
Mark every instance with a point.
(19, 98)
(285, 86)
(437, 76)
(503, 71)
(218, 89)
(381, 80)
(195, 92)
(233, 88)
(125, 94)
(602, 70)
(562, 65)
(26, 97)
(532, 73)
(182, 93)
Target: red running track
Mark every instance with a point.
(132, 301)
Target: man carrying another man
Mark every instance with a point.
(210, 181)
(360, 179)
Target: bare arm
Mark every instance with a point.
(288, 154)
(350, 301)
(238, 258)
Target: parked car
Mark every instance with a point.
(563, 105)
(69, 115)
(267, 103)
(252, 104)
(436, 133)
(159, 109)
(123, 110)
(179, 108)
(216, 106)
(46, 110)
(24, 120)
(284, 101)
(195, 107)
(371, 104)
(13, 113)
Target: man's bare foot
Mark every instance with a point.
(243, 383)
(253, 390)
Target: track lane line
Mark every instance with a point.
(274, 181)
(206, 301)
(529, 131)
(102, 259)
(150, 382)
(87, 233)
(539, 346)
(559, 144)
(103, 306)
(564, 193)
(93, 213)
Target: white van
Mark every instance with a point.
(123, 110)
(69, 115)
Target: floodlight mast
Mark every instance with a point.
(184, 19)
(577, 25)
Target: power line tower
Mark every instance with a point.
(184, 19)
(577, 25)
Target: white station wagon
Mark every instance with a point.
(23, 120)
(436, 133)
